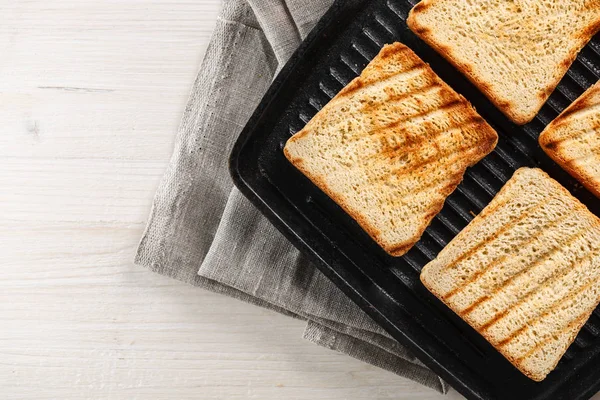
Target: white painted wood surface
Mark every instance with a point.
(91, 93)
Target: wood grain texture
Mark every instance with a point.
(91, 93)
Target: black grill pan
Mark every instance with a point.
(388, 288)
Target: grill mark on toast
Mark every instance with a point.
(360, 83)
(545, 256)
(556, 276)
(387, 155)
(505, 228)
(371, 107)
(578, 111)
(416, 143)
(425, 113)
(530, 322)
(410, 193)
(492, 236)
(595, 152)
(424, 77)
(579, 105)
(452, 182)
(382, 130)
(454, 178)
(377, 128)
(478, 302)
(413, 142)
(443, 160)
(448, 101)
(579, 320)
(419, 189)
(503, 257)
(588, 133)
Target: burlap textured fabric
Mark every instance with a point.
(202, 231)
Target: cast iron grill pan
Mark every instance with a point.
(387, 288)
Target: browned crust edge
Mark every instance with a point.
(513, 360)
(466, 69)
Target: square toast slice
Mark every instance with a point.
(573, 139)
(391, 146)
(515, 51)
(525, 273)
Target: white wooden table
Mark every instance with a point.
(91, 93)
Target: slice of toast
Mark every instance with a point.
(391, 146)
(573, 139)
(525, 273)
(515, 51)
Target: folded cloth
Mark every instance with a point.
(202, 231)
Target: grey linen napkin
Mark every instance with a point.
(202, 231)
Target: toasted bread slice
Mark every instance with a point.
(516, 52)
(525, 273)
(573, 139)
(391, 146)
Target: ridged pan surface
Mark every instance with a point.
(387, 288)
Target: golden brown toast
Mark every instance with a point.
(391, 146)
(573, 139)
(515, 51)
(525, 273)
